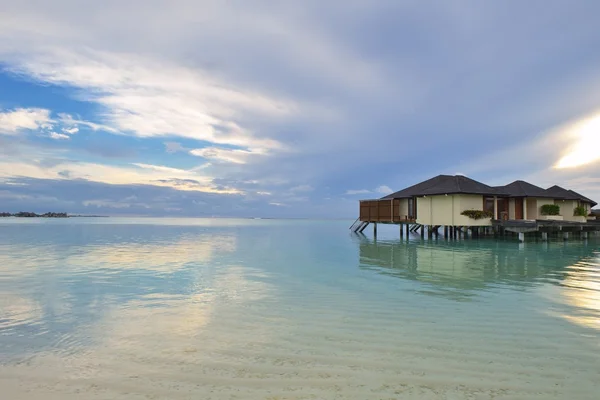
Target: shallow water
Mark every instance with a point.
(267, 309)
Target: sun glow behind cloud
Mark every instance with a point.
(586, 149)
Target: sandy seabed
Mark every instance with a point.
(362, 353)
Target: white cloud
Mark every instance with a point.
(236, 156)
(359, 191)
(161, 168)
(585, 149)
(174, 147)
(278, 204)
(148, 97)
(58, 136)
(137, 174)
(72, 124)
(383, 189)
(302, 188)
(21, 119)
(71, 131)
(112, 204)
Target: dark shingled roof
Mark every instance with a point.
(525, 189)
(563, 193)
(445, 184)
(583, 198)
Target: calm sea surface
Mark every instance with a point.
(113, 308)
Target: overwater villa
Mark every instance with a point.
(460, 204)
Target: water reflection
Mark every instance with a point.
(460, 269)
(580, 291)
(54, 288)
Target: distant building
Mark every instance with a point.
(456, 200)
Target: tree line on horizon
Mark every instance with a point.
(27, 214)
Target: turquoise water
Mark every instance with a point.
(285, 309)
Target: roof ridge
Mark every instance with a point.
(457, 179)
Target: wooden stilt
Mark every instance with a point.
(375, 229)
(422, 231)
(401, 231)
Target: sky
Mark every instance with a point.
(289, 109)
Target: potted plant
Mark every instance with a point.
(550, 212)
(580, 213)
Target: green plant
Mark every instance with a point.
(580, 211)
(477, 214)
(550, 209)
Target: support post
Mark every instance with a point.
(445, 231)
(401, 231)
(375, 229)
(495, 207)
(429, 231)
(545, 236)
(584, 235)
(407, 230)
(565, 235)
(521, 237)
(422, 231)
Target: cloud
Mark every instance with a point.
(236, 156)
(161, 168)
(72, 124)
(359, 191)
(58, 136)
(302, 188)
(318, 95)
(383, 189)
(586, 147)
(174, 147)
(147, 97)
(278, 204)
(135, 174)
(71, 131)
(21, 119)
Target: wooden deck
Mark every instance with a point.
(383, 211)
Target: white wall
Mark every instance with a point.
(403, 212)
(469, 202)
(424, 210)
(445, 210)
(442, 209)
(567, 207)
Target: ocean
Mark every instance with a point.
(160, 308)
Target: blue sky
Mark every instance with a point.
(293, 109)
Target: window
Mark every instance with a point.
(488, 204)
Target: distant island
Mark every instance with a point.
(26, 214)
